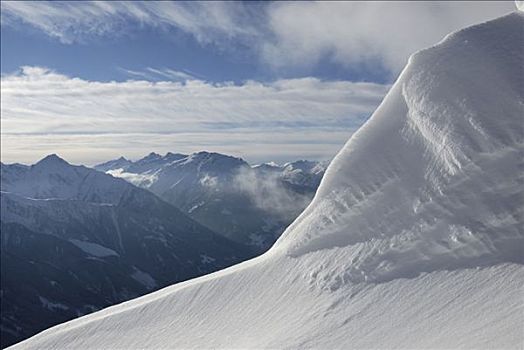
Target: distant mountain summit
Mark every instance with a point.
(120, 163)
(248, 204)
(75, 240)
(54, 178)
(52, 161)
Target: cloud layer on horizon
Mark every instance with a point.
(88, 121)
(282, 35)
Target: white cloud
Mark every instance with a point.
(352, 33)
(269, 193)
(88, 121)
(141, 180)
(282, 34)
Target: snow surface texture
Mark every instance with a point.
(412, 240)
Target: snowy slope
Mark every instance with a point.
(414, 239)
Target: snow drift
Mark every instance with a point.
(413, 240)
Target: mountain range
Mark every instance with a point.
(75, 240)
(251, 205)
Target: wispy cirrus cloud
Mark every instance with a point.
(171, 73)
(282, 35)
(88, 121)
(71, 21)
(158, 74)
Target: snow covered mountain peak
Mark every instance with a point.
(414, 189)
(174, 156)
(152, 156)
(211, 162)
(214, 156)
(120, 163)
(51, 161)
(54, 178)
(268, 168)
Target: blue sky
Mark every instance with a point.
(265, 81)
(137, 46)
(107, 58)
